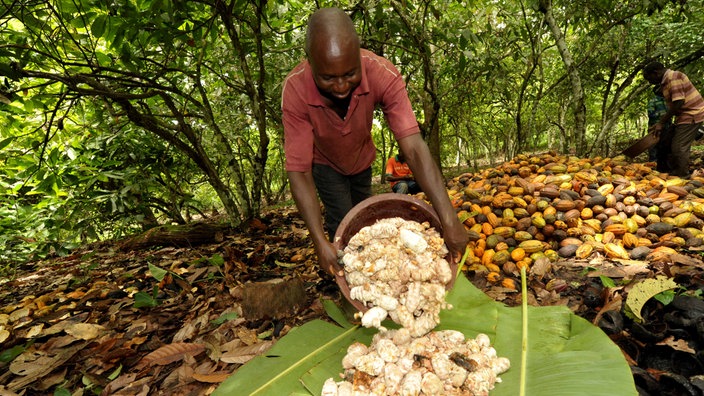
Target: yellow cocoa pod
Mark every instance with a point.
(644, 242)
(520, 213)
(487, 229)
(586, 214)
(698, 210)
(605, 189)
(631, 224)
(584, 250)
(610, 201)
(629, 240)
(551, 255)
(640, 220)
(550, 210)
(500, 257)
(519, 202)
(594, 224)
(515, 191)
(477, 228)
(487, 257)
(509, 222)
(507, 213)
(608, 237)
(614, 250)
(506, 232)
(589, 177)
(683, 219)
(538, 220)
(652, 219)
(471, 193)
(521, 236)
(531, 246)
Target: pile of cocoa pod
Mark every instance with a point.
(548, 206)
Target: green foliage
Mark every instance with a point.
(146, 300)
(119, 116)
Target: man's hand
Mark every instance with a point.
(456, 239)
(327, 256)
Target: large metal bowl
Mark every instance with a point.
(384, 206)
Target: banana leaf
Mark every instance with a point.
(565, 354)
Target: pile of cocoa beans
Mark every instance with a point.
(547, 206)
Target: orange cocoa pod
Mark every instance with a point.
(518, 254)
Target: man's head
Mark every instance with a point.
(332, 46)
(400, 156)
(653, 72)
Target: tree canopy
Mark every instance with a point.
(126, 114)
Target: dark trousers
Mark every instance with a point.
(406, 187)
(340, 193)
(681, 145)
(663, 149)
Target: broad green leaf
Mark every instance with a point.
(9, 355)
(566, 355)
(61, 391)
(99, 26)
(157, 273)
(142, 300)
(224, 318)
(314, 344)
(6, 142)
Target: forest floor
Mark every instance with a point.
(179, 319)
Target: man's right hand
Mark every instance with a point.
(327, 256)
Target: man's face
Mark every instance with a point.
(337, 70)
(653, 77)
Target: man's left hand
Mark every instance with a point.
(456, 239)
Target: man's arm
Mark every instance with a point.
(303, 191)
(427, 174)
(389, 177)
(673, 110)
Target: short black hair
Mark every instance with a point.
(653, 67)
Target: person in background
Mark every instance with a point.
(684, 103)
(328, 103)
(660, 152)
(400, 175)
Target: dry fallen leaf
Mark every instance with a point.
(170, 353)
(84, 331)
(212, 378)
(679, 345)
(245, 353)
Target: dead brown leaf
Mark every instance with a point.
(171, 353)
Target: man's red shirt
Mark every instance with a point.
(314, 133)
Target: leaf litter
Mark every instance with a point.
(71, 323)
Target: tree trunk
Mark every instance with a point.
(580, 108)
(430, 127)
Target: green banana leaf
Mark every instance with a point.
(565, 354)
